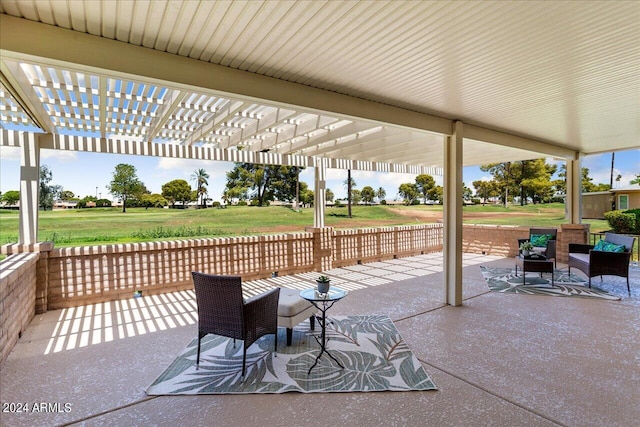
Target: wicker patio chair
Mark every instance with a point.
(222, 311)
(598, 263)
(549, 248)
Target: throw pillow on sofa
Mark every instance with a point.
(540, 240)
(605, 246)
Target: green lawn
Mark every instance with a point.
(110, 225)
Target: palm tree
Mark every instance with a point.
(349, 183)
(201, 177)
(381, 194)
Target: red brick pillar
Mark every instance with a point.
(571, 233)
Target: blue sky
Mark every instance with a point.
(89, 173)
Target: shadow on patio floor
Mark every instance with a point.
(506, 359)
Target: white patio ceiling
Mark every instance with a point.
(539, 77)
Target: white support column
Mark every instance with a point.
(319, 192)
(573, 197)
(452, 245)
(29, 189)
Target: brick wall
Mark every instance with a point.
(499, 240)
(18, 275)
(502, 240)
(571, 233)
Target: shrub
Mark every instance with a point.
(621, 221)
(168, 232)
(216, 204)
(636, 214)
(383, 202)
(242, 203)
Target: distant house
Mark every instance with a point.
(61, 204)
(594, 205)
(15, 206)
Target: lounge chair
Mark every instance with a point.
(222, 311)
(594, 262)
(543, 241)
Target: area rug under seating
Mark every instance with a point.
(504, 280)
(373, 353)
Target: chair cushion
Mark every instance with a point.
(605, 246)
(580, 257)
(291, 303)
(540, 240)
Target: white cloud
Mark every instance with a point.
(13, 154)
(62, 155)
(10, 153)
(393, 180)
(335, 174)
(364, 175)
(308, 175)
(185, 167)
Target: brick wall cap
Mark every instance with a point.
(575, 226)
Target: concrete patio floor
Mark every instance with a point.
(500, 359)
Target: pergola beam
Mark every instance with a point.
(144, 148)
(14, 80)
(330, 135)
(164, 115)
(226, 112)
(50, 46)
(396, 145)
(33, 41)
(500, 138)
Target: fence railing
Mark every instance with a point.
(91, 274)
(102, 273)
(373, 244)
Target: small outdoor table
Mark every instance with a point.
(534, 266)
(323, 302)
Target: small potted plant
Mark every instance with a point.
(323, 283)
(526, 248)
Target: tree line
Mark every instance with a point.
(531, 181)
(523, 181)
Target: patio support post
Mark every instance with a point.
(319, 193)
(573, 197)
(453, 215)
(29, 189)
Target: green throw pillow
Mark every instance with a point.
(605, 246)
(540, 240)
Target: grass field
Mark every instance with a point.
(110, 225)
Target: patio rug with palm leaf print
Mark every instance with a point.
(374, 356)
(505, 281)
